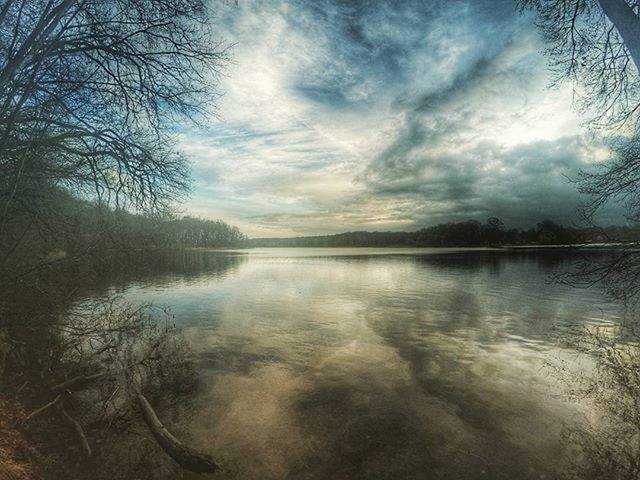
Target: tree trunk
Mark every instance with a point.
(627, 23)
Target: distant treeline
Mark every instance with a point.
(471, 233)
(71, 228)
(132, 230)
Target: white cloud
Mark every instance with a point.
(319, 91)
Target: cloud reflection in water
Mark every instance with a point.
(367, 366)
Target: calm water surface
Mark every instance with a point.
(386, 364)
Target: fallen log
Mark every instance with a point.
(77, 383)
(185, 456)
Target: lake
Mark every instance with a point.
(376, 363)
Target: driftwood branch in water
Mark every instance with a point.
(59, 402)
(77, 383)
(44, 408)
(79, 431)
(183, 455)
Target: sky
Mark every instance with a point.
(385, 115)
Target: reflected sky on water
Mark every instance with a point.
(369, 363)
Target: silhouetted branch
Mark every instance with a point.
(594, 43)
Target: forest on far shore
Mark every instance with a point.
(470, 233)
(75, 228)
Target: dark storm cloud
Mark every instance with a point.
(523, 184)
(447, 174)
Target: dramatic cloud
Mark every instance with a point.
(385, 115)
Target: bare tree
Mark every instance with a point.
(617, 180)
(624, 17)
(91, 95)
(90, 91)
(596, 45)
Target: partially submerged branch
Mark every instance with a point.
(184, 456)
(77, 383)
(130, 351)
(43, 409)
(78, 430)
